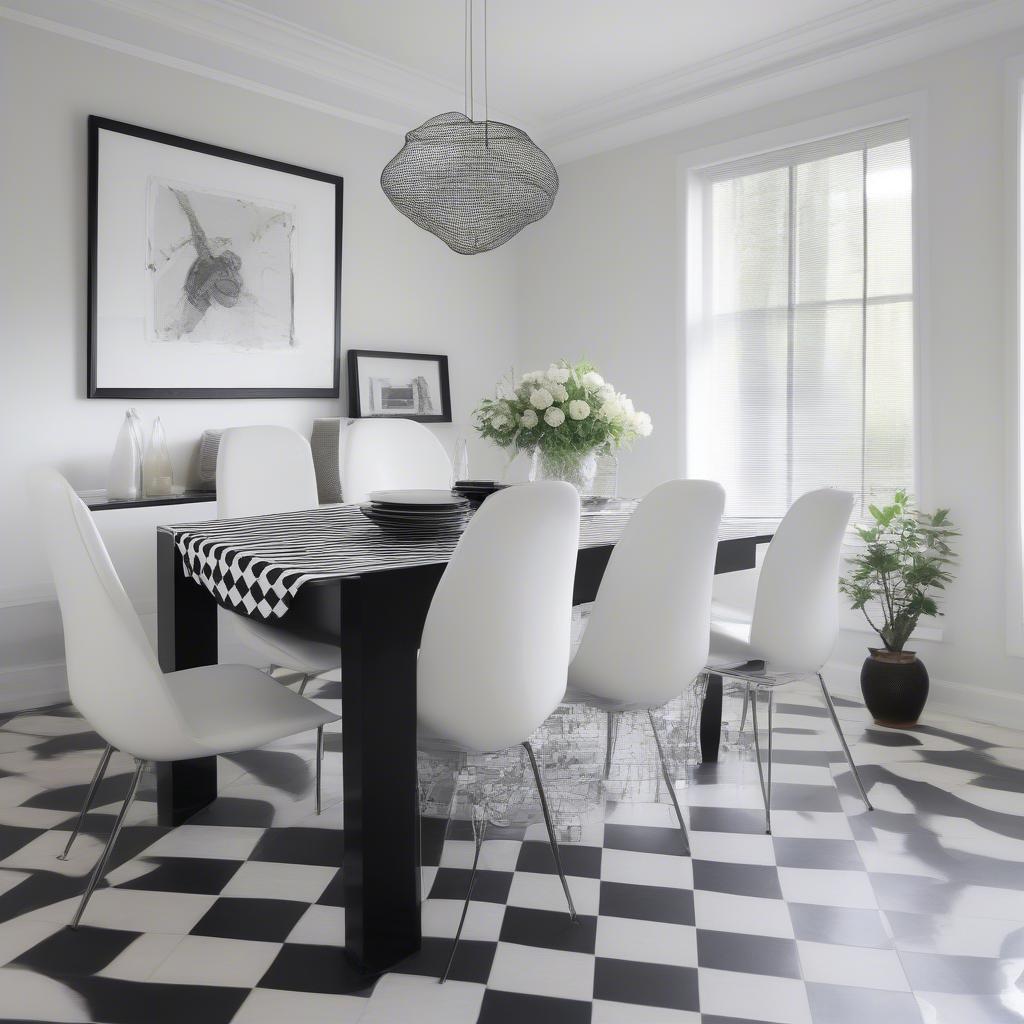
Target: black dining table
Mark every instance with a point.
(329, 574)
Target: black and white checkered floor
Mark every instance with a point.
(912, 913)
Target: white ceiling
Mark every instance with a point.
(548, 57)
(579, 75)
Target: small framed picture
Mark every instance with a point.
(212, 273)
(408, 385)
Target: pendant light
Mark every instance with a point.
(474, 184)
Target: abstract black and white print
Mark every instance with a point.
(212, 273)
(221, 267)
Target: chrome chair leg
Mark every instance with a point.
(670, 785)
(766, 789)
(842, 740)
(97, 778)
(613, 728)
(319, 763)
(746, 706)
(305, 681)
(478, 840)
(551, 829)
(101, 864)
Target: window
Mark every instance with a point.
(1014, 490)
(808, 322)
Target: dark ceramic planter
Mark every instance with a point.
(895, 687)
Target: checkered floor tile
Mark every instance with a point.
(912, 913)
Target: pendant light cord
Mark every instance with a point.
(468, 103)
(486, 119)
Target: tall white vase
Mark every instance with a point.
(140, 437)
(125, 470)
(156, 467)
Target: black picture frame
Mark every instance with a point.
(96, 124)
(355, 409)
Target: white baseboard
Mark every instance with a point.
(976, 703)
(33, 686)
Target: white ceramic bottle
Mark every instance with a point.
(156, 467)
(125, 464)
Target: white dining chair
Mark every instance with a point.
(261, 470)
(647, 637)
(116, 683)
(792, 628)
(391, 454)
(495, 644)
(268, 470)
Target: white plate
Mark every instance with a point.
(416, 497)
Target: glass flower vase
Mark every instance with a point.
(576, 468)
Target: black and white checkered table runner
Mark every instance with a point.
(258, 565)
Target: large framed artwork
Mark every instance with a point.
(212, 273)
(409, 385)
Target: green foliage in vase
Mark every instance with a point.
(565, 412)
(905, 560)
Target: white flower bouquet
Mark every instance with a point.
(565, 415)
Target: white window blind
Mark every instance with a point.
(808, 300)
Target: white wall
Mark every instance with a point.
(401, 289)
(600, 277)
(602, 274)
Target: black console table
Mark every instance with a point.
(97, 501)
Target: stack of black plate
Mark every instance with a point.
(477, 490)
(426, 512)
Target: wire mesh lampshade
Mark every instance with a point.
(474, 184)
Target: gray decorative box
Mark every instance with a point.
(206, 473)
(326, 442)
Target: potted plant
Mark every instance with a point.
(905, 560)
(564, 417)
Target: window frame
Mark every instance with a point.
(1014, 290)
(693, 183)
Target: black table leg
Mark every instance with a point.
(711, 720)
(733, 556)
(183, 788)
(186, 638)
(381, 620)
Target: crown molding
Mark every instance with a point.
(872, 36)
(230, 41)
(227, 41)
(868, 20)
(235, 24)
